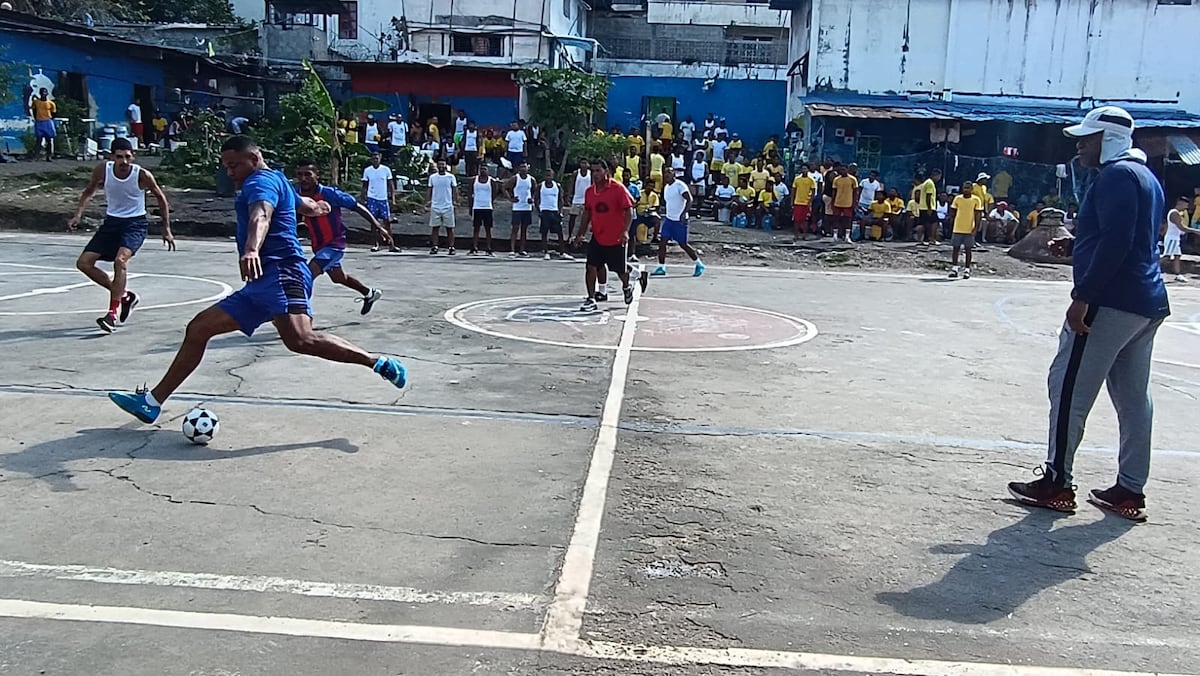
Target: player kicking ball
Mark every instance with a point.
(675, 226)
(607, 212)
(124, 229)
(278, 284)
(328, 233)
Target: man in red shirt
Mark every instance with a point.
(607, 212)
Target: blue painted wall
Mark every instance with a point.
(110, 79)
(754, 109)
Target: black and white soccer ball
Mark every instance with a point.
(200, 425)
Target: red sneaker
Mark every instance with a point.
(1120, 501)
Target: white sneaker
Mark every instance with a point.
(546, 257)
(567, 257)
(1180, 278)
(966, 273)
(512, 254)
(953, 272)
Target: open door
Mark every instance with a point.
(653, 108)
(144, 96)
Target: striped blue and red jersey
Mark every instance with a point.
(329, 230)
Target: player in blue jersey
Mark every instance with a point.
(278, 284)
(328, 232)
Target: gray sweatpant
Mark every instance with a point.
(1116, 351)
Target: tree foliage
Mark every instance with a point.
(198, 11)
(564, 102)
(596, 147)
(10, 79)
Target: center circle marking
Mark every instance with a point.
(664, 324)
(224, 290)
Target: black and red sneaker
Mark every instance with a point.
(1120, 501)
(1044, 492)
(129, 301)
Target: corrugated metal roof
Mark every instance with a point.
(1188, 151)
(847, 104)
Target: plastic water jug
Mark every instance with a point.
(723, 214)
(856, 232)
(768, 222)
(739, 221)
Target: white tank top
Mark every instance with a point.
(698, 169)
(677, 162)
(523, 192)
(470, 140)
(124, 198)
(549, 197)
(1174, 231)
(582, 183)
(483, 194)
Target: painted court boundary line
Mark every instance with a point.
(266, 584)
(502, 640)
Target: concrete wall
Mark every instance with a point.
(716, 14)
(1068, 49)
(295, 43)
(110, 78)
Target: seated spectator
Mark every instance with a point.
(943, 214)
(768, 203)
(745, 199)
(724, 196)
(1031, 220)
(646, 214)
(1002, 224)
(879, 213)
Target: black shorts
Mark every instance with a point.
(115, 234)
(611, 257)
(522, 218)
(551, 222)
(481, 218)
(927, 217)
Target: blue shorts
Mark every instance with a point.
(674, 231)
(329, 258)
(284, 289)
(43, 129)
(115, 234)
(372, 146)
(380, 209)
(515, 158)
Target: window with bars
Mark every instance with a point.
(348, 21)
(476, 45)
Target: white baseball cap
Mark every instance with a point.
(983, 176)
(1105, 119)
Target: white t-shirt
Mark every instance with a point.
(817, 178)
(582, 183)
(377, 181)
(1005, 217)
(688, 128)
(1174, 231)
(442, 186)
(725, 192)
(482, 193)
(718, 150)
(371, 133)
(781, 191)
(135, 113)
(548, 199)
(675, 196)
(515, 138)
(431, 146)
(399, 132)
(869, 188)
(523, 193)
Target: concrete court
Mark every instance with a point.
(824, 503)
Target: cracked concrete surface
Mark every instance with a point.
(843, 496)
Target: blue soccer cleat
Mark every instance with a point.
(660, 271)
(391, 370)
(699, 269)
(135, 404)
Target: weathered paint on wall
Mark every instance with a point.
(1065, 49)
(716, 14)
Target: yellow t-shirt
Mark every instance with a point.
(928, 195)
(803, 188)
(758, 178)
(843, 191)
(766, 196)
(746, 193)
(777, 169)
(744, 169)
(732, 170)
(637, 142)
(985, 200)
(735, 144)
(1001, 183)
(43, 110)
(634, 164)
(160, 124)
(1033, 217)
(896, 204)
(647, 202)
(433, 129)
(769, 148)
(879, 209)
(914, 208)
(619, 175)
(656, 164)
(668, 130)
(964, 213)
(352, 131)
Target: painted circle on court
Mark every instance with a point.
(663, 324)
(51, 290)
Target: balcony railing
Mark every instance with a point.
(728, 53)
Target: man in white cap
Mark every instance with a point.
(1117, 305)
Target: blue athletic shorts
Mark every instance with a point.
(674, 231)
(43, 129)
(117, 233)
(380, 209)
(329, 258)
(515, 158)
(284, 289)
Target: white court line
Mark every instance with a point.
(256, 583)
(564, 618)
(225, 290)
(503, 640)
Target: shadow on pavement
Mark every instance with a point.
(1015, 564)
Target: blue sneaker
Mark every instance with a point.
(699, 269)
(660, 271)
(135, 404)
(391, 370)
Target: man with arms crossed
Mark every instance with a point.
(442, 188)
(328, 232)
(278, 284)
(675, 226)
(1117, 305)
(608, 212)
(124, 229)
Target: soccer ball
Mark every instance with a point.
(200, 425)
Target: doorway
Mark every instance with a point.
(143, 95)
(426, 111)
